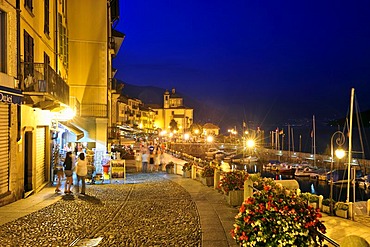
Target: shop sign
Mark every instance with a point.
(10, 95)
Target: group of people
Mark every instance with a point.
(150, 158)
(80, 167)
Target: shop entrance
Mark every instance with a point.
(28, 163)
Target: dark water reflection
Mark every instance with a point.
(313, 186)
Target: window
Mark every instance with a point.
(2, 42)
(28, 54)
(46, 17)
(63, 40)
(28, 4)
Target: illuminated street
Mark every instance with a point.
(149, 210)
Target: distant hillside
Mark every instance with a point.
(203, 111)
(364, 118)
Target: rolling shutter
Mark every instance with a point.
(4, 148)
(40, 157)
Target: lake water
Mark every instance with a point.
(314, 186)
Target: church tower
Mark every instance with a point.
(166, 100)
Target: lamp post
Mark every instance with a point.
(339, 153)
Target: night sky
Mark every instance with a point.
(261, 61)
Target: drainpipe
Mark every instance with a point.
(19, 72)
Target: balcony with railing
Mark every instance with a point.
(40, 84)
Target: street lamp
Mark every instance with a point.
(209, 139)
(339, 152)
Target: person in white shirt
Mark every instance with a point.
(137, 160)
(144, 160)
(81, 171)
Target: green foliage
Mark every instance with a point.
(310, 197)
(326, 202)
(341, 206)
(187, 167)
(208, 171)
(170, 164)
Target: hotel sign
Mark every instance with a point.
(10, 95)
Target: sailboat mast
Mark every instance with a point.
(350, 144)
(289, 142)
(314, 140)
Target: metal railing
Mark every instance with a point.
(41, 78)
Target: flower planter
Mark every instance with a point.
(341, 213)
(207, 181)
(325, 209)
(186, 174)
(313, 204)
(170, 170)
(235, 197)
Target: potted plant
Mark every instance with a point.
(312, 200)
(170, 167)
(276, 216)
(207, 175)
(186, 170)
(326, 204)
(341, 209)
(232, 184)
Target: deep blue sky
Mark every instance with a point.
(263, 60)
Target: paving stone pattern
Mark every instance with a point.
(147, 210)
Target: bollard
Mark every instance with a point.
(216, 179)
(320, 202)
(194, 172)
(351, 211)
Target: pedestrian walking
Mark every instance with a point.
(81, 171)
(144, 160)
(151, 161)
(68, 172)
(157, 158)
(60, 175)
(137, 160)
(162, 162)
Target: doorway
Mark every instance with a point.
(28, 163)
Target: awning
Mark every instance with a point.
(10, 95)
(70, 127)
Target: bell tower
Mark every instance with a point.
(166, 100)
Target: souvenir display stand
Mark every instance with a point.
(117, 169)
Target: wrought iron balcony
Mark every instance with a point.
(42, 86)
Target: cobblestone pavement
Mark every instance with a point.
(148, 210)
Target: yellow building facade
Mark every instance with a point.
(54, 57)
(11, 182)
(173, 110)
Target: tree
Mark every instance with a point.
(173, 125)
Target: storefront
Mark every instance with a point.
(9, 101)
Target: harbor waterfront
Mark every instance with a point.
(306, 184)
